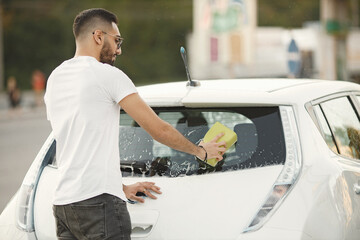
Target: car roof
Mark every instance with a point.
(243, 92)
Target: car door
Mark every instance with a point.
(339, 122)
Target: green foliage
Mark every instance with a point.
(38, 35)
(32, 43)
(287, 13)
(154, 32)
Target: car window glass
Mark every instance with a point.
(344, 124)
(260, 141)
(325, 129)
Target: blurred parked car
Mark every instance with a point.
(294, 172)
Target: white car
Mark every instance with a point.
(294, 172)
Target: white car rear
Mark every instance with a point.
(293, 174)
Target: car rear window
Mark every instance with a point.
(260, 141)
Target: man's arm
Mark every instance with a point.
(166, 134)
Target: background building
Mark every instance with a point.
(227, 43)
(223, 39)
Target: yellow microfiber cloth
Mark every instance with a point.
(230, 138)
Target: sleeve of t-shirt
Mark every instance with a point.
(119, 85)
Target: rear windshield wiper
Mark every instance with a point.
(133, 166)
(159, 166)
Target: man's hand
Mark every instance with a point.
(144, 187)
(213, 148)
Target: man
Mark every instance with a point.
(83, 98)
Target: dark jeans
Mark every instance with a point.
(101, 217)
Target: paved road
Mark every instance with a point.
(21, 136)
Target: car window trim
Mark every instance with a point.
(331, 130)
(339, 157)
(309, 106)
(342, 157)
(354, 105)
(356, 102)
(351, 96)
(333, 96)
(314, 116)
(310, 109)
(327, 121)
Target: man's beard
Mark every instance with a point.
(106, 54)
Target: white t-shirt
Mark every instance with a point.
(82, 99)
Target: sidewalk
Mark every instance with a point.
(26, 110)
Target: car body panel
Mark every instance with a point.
(346, 199)
(269, 233)
(229, 198)
(244, 92)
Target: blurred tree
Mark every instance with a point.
(33, 39)
(33, 44)
(154, 32)
(287, 13)
(38, 35)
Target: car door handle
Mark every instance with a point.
(357, 188)
(141, 231)
(143, 222)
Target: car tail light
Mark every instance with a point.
(24, 209)
(288, 175)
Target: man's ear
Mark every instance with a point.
(97, 36)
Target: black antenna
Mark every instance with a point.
(191, 83)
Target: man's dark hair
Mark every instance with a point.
(90, 18)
